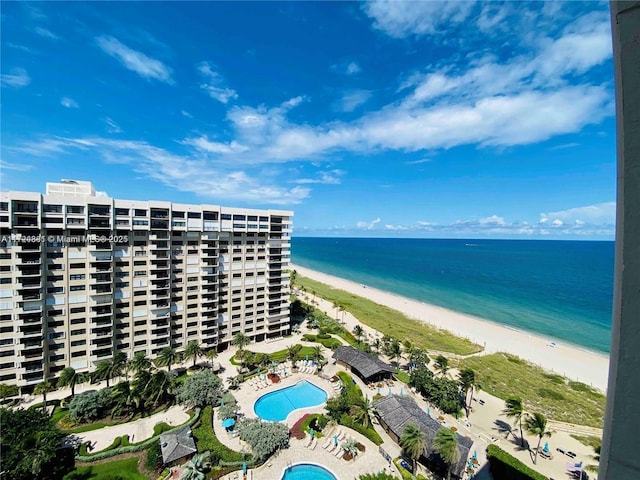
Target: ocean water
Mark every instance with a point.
(562, 290)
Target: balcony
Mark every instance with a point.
(100, 269)
(100, 312)
(159, 255)
(29, 295)
(100, 334)
(96, 258)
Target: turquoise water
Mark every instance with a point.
(562, 290)
(307, 471)
(276, 406)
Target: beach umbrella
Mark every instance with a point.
(222, 403)
(475, 454)
(335, 439)
(258, 371)
(429, 411)
(546, 447)
(378, 390)
(389, 391)
(306, 357)
(311, 432)
(402, 391)
(228, 423)
(244, 467)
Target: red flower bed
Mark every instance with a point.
(296, 431)
(274, 377)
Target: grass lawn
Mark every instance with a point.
(402, 376)
(206, 439)
(588, 440)
(502, 375)
(281, 355)
(391, 322)
(126, 469)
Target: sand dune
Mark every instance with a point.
(574, 362)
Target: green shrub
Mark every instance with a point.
(154, 457)
(370, 433)
(323, 336)
(506, 467)
(551, 394)
(161, 427)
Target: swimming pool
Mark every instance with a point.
(276, 406)
(307, 471)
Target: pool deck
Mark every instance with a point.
(370, 461)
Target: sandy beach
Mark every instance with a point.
(571, 361)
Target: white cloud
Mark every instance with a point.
(112, 126)
(68, 102)
(348, 68)
(419, 161)
(353, 99)
(492, 220)
(18, 167)
(598, 214)
(331, 177)
(367, 225)
(215, 85)
(492, 15)
(204, 144)
(403, 18)
(184, 113)
(17, 77)
(43, 32)
(135, 61)
(208, 179)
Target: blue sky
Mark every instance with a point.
(459, 119)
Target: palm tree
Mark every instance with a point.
(158, 386)
(193, 350)
(408, 347)
(362, 413)
(536, 424)
(446, 445)
(467, 378)
(127, 398)
(140, 362)
(70, 378)
(376, 344)
(514, 409)
(341, 308)
(292, 353)
(197, 467)
(211, 353)
(414, 442)
(119, 360)
(358, 332)
(442, 365)
(293, 276)
(395, 351)
(42, 389)
(105, 370)
(168, 356)
(336, 307)
(316, 354)
(240, 340)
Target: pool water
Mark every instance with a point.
(306, 471)
(276, 406)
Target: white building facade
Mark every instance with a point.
(83, 276)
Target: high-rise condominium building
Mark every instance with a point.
(84, 276)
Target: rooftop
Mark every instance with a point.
(177, 444)
(368, 365)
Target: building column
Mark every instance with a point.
(619, 457)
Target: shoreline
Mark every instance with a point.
(571, 361)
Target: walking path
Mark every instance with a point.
(139, 430)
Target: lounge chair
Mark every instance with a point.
(331, 447)
(327, 443)
(339, 453)
(314, 444)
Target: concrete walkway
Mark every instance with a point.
(139, 430)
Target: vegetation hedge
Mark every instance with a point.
(131, 448)
(504, 466)
(370, 433)
(406, 474)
